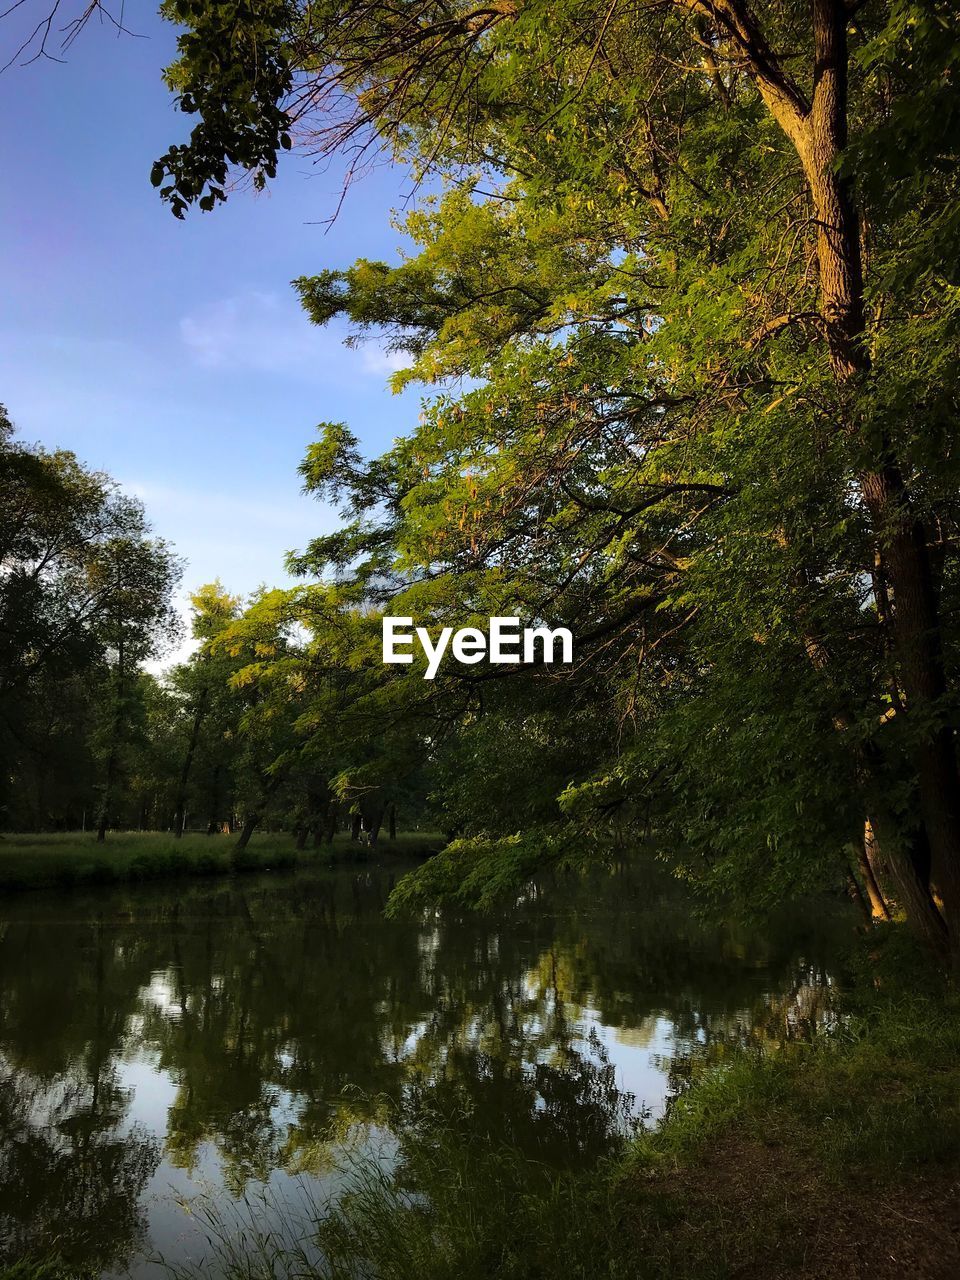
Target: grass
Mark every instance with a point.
(825, 1161)
(833, 1159)
(45, 1269)
(75, 859)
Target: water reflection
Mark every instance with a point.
(159, 1041)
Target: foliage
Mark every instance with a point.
(688, 303)
(84, 587)
(685, 293)
(277, 716)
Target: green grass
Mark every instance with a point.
(880, 1096)
(834, 1159)
(74, 858)
(46, 1269)
(852, 1141)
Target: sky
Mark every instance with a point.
(175, 355)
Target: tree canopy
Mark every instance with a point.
(696, 263)
(683, 289)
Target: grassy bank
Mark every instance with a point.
(836, 1159)
(74, 858)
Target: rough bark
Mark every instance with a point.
(867, 854)
(818, 131)
(838, 226)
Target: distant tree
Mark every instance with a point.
(136, 576)
(74, 555)
(156, 745)
(204, 679)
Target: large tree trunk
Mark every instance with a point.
(917, 644)
(866, 861)
(900, 536)
(250, 824)
(819, 133)
(908, 860)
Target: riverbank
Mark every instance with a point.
(824, 1158)
(830, 1160)
(62, 861)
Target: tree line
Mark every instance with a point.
(248, 729)
(85, 600)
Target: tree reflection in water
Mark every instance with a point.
(286, 1014)
(72, 1168)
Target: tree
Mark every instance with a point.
(204, 679)
(135, 576)
(701, 260)
(324, 731)
(56, 517)
(66, 605)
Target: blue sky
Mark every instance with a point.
(175, 355)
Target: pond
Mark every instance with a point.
(214, 1038)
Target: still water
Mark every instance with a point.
(159, 1043)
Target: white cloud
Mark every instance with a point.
(383, 363)
(219, 512)
(269, 333)
(252, 331)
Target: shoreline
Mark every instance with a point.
(35, 862)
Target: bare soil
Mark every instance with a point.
(760, 1212)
